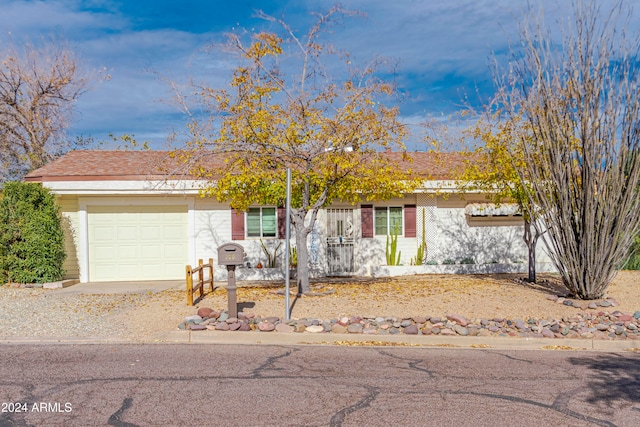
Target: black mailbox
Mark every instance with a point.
(231, 254)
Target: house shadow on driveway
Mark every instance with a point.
(133, 287)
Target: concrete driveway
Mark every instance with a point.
(121, 287)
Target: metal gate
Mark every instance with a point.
(341, 232)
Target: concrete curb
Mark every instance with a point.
(249, 338)
(288, 339)
(62, 340)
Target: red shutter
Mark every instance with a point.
(237, 225)
(366, 215)
(282, 223)
(409, 220)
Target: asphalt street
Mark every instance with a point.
(311, 385)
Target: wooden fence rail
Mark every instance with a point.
(201, 279)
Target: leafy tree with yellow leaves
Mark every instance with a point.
(330, 131)
(495, 168)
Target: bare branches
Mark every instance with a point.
(38, 88)
(283, 110)
(581, 106)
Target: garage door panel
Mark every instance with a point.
(103, 218)
(172, 232)
(137, 242)
(126, 217)
(151, 253)
(126, 253)
(105, 253)
(171, 251)
(127, 232)
(102, 271)
(127, 270)
(148, 232)
(152, 270)
(103, 233)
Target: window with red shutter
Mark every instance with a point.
(409, 220)
(237, 225)
(366, 215)
(282, 223)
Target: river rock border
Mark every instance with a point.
(587, 325)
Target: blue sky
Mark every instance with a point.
(442, 48)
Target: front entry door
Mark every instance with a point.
(341, 233)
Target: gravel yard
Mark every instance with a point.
(43, 313)
(39, 313)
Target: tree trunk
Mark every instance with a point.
(303, 257)
(531, 240)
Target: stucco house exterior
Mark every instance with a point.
(126, 219)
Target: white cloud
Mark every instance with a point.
(442, 48)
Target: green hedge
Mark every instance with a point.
(31, 235)
(633, 263)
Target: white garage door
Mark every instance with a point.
(137, 242)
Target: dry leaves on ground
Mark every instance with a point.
(473, 296)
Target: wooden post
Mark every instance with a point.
(200, 278)
(189, 286)
(211, 272)
(199, 286)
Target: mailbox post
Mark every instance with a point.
(231, 255)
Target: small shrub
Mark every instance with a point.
(467, 261)
(448, 262)
(31, 235)
(633, 263)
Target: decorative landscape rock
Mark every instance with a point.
(461, 330)
(585, 324)
(338, 329)
(411, 329)
(205, 312)
(283, 327)
(266, 326)
(460, 320)
(355, 328)
(222, 326)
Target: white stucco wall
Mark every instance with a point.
(212, 227)
(450, 234)
(485, 240)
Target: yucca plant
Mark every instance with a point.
(419, 259)
(293, 257)
(271, 257)
(393, 255)
(422, 249)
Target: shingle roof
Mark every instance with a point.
(432, 165)
(97, 165)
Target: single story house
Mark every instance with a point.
(127, 219)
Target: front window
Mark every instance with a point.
(388, 220)
(261, 222)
